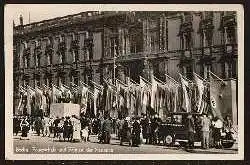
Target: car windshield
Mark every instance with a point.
(177, 119)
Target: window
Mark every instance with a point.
(154, 35)
(49, 59)
(208, 15)
(37, 60)
(114, 46)
(187, 17)
(75, 80)
(163, 34)
(38, 82)
(189, 71)
(61, 56)
(187, 40)
(25, 81)
(206, 69)
(154, 41)
(231, 35)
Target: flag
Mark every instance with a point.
(200, 87)
(66, 92)
(186, 104)
(145, 93)
(20, 104)
(134, 96)
(122, 93)
(38, 97)
(96, 92)
(153, 92)
(30, 96)
(170, 99)
(216, 101)
(56, 94)
(84, 98)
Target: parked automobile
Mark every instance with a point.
(174, 130)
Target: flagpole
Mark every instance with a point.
(159, 80)
(186, 78)
(145, 80)
(172, 79)
(216, 76)
(94, 83)
(84, 84)
(29, 17)
(121, 82)
(114, 62)
(199, 76)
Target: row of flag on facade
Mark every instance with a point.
(130, 98)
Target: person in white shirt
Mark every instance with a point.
(217, 125)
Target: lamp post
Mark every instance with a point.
(114, 58)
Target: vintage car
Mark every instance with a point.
(174, 130)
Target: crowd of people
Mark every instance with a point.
(133, 131)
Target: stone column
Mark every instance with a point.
(121, 73)
(146, 41)
(147, 70)
(225, 36)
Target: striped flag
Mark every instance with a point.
(186, 103)
(56, 94)
(200, 87)
(30, 96)
(145, 93)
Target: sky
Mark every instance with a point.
(42, 12)
(39, 12)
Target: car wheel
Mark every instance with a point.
(182, 144)
(227, 144)
(169, 140)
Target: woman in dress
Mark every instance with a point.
(60, 129)
(25, 128)
(76, 129)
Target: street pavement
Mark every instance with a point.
(48, 145)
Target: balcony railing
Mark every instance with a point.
(62, 21)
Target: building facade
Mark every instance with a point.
(103, 45)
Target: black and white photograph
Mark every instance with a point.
(124, 81)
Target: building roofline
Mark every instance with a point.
(56, 18)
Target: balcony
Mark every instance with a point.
(186, 27)
(75, 45)
(49, 49)
(206, 24)
(228, 21)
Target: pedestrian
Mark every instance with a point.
(190, 130)
(217, 128)
(136, 141)
(60, 129)
(119, 125)
(145, 128)
(51, 121)
(85, 122)
(16, 125)
(126, 132)
(107, 129)
(205, 129)
(25, 128)
(55, 126)
(67, 129)
(154, 129)
(228, 125)
(46, 124)
(95, 126)
(38, 125)
(211, 138)
(76, 129)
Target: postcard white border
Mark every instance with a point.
(8, 42)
